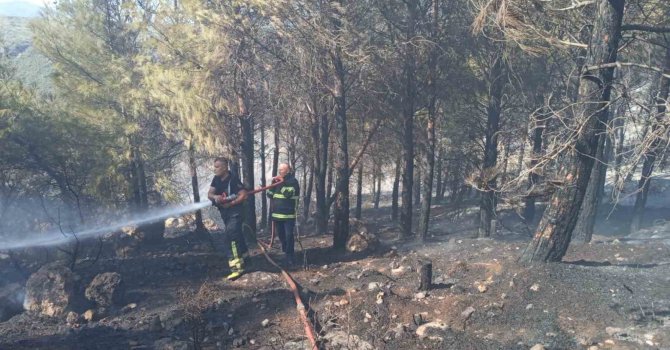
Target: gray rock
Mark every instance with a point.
(538, 347)
(107, 289)
(342, 340)
(50, 290)
(432, 330)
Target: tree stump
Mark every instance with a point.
(426, 275)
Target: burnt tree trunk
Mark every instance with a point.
(247, 129)
(264, 199)
(193, 169)
(592, 198)
(429, 156)
(395, 190)
(658, 130)
(534, 176)
(320, 137)
(275, 151)
(341, 209)
(439, 181)
(554, 232)
(409, 97)
(378, 192)
(359, 193)
(426, 276)
(307, 195)
(488, 201)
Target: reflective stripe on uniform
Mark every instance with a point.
(283, 216)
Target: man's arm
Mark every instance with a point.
(211, 195)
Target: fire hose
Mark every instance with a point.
(309, 329)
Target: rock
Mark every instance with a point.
(50, 290)
(72, 318)
(593, 347)
(239, 342)
(529, 306)
(401, 270)
(420, 295)
(398, 332)
(360, 239)
(128, 307)
(341, 340)
(468, 312)
(265, 323)
(535, 287)
(259, 280)
(170, 344)
(107, 289)
(432, 330)
(482, 288)
(301, 345)
(90, 315)
(538, 347)
(11, 301)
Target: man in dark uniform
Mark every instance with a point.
(227, 193)
(284, 209)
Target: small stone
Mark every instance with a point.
(420, 295)
(609, 342)
(72, 318)
(231, 331)
(373, 286)
(482, 288)
(342, 302)
(468, 312)
(529, 306)
(538, 347)
(612, 331)
(89, 315)
(265, 323)
(128, 307)
(424, 330)
(239, 342)
(593, 347)
(535, 287)
(252, 341)
(325, 267)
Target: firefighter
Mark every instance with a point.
(228, 194)
(284, 206)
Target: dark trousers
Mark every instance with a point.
(284, 229)
(233, 244)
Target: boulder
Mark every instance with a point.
(107, 289)
(50, 290)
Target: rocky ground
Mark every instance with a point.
(609, 294)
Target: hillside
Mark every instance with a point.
(31, 67)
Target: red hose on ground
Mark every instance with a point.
(309, 330)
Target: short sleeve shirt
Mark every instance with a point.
(229, 185)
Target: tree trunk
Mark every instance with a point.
(247, 129)
(320, 137)
(193, 168)
(378, 192)
(619, 130)
(359, 192)
(429, 156)
(417, 182)
(275, 151)
(264, 199)
(534, 177)
(307, 195)
(658, 130)
(592, 198)
(409, 95)
(439, 183)
(394, 193)
(487, 205)
(554, 232)
(341, 210)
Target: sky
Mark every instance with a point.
(35, 2)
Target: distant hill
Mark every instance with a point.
(19, 9)
(16, 46)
